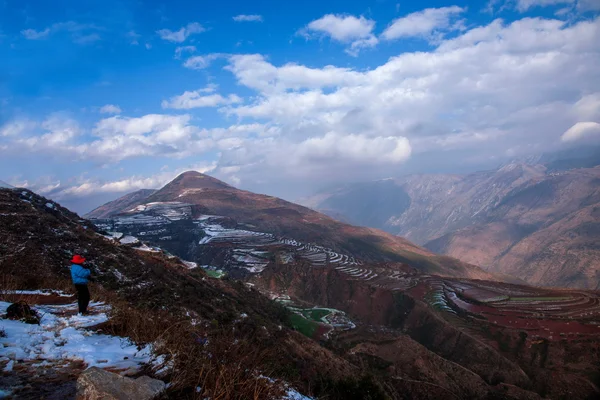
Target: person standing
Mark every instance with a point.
(81, 276)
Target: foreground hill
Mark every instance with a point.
(520, 220)
(387, 330)
(209, 196)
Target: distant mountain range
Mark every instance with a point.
(537, 222)
(4, 185)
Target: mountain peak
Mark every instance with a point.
(187, 183)
(197, 180)
(192, 174)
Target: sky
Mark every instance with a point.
(101, 98)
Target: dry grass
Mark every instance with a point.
(221, 361)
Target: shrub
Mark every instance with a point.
(22, 312)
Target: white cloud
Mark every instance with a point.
(358, 45)
(198, 99)
(133, 37)
(343, 28)
(202, 62)
(357, 149)
(86, 39)
(151, 123)
(119, 138)
(58, 131)
(184, 49)
(424, 23)
(32, 34)
(248, 18)
(18, 127)
(524, 5)
(80, 33)
(182, 34)
(110, 109)
(346, 29)
(588, 107)
(255, 72)
(581, 130)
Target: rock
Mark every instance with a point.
(20, 311)
(97, 384)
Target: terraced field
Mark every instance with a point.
(541, 313)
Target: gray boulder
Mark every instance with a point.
(97, 384)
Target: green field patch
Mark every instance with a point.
(215, 274)
(301, 324)
(316, 314)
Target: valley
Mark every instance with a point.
(535, 222)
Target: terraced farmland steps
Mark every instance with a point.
(161, 225)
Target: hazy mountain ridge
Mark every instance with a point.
(521, 220)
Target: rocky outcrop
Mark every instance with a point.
(98, 384)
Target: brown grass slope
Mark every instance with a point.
(119, 205)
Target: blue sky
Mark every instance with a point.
(100, 98)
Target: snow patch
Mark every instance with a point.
(43, 292)
(144, 247)
(189, 264)
(293, 394)
(63, 338)
(129, 240)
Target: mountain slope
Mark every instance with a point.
(4, 185)
(284, 219)
(519, 220)
(121, 204)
